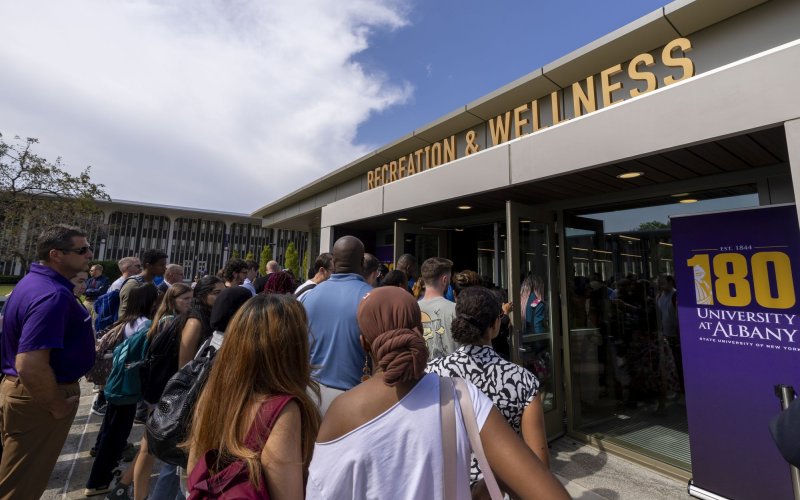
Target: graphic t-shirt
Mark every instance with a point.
(437, 316)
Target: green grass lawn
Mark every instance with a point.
(4, 289)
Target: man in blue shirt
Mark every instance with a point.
(336, 352)
(47, 345)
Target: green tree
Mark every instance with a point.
(304, 270)
(652, 225)
(35, 193)
(291, 259)
(266, 256)
(249, 256)
(235, 254)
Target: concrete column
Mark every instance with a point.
(103, 243)
(226, 243)
(325, 239)
(169, 240)
(792, 129)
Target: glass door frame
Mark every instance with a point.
(400, 230)
(555, 419)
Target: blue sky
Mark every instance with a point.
(231, 105)
(454, 52)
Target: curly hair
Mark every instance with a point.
(476, 310)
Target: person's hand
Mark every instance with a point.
(63, 407)
(507, 308)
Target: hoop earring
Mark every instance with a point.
(366, 373)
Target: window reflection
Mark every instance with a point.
(624, 337)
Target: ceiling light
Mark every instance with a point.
(679, 195)
(525, 221)
(688, 200)
(629, 175)
(459, 230)
(402, 219)
(464, 207)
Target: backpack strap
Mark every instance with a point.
(265, 420)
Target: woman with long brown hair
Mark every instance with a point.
(383, 438)
(264, 357)
(174, 304)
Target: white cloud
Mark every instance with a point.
(213, 104)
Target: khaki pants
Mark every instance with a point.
(32, 440)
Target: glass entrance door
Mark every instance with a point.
(532, 285)
(421, 242)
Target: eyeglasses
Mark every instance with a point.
(79, 251)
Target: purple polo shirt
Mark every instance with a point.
(42, 313)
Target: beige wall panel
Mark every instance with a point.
(792, 129)
(359, 206)
(449, 124)
(325, 197)
(747, 95)
(761, 28)
(473, 174)
(349, 188)
(690, 15)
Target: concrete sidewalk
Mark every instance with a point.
(588, 473)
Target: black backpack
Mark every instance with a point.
(167, 425)
(161, 362)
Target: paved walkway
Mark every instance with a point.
(588, 473)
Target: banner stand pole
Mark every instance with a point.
(702, 494)
(786, 395)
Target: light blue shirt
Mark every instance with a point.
(336, 353)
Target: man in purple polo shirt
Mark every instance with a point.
(47, 345)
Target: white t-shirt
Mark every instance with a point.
(397, 454)
(304, 288)
(134, 327)
(117, 284)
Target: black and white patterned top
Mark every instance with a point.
(510, 386)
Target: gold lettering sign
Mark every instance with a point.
(527, 118)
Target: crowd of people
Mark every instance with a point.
(339, 387)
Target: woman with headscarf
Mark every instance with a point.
(357, 454)
(513, 389)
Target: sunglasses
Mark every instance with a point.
(79, 251)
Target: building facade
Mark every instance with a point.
(201, 241)
(567, 178)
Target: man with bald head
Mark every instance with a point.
(334, 334)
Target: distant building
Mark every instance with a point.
(200, 240)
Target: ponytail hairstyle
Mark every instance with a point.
(476, 311)
(391, 325)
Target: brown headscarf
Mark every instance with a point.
(390, 321)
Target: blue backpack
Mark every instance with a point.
(106, 307)
(124, 384)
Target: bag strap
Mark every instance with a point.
(265, 420)
(471, 423)
(448, 417)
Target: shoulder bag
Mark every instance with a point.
(449, 438)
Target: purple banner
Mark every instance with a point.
(736, 275)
